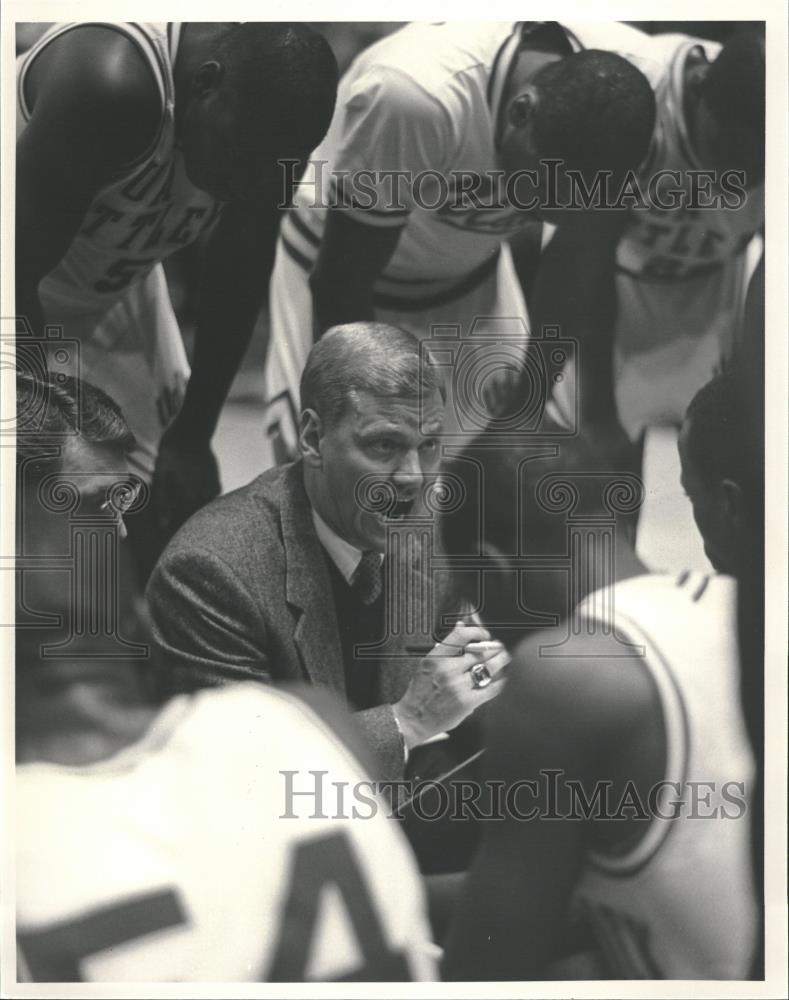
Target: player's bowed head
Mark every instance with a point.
(725, 107)
(517, 500)
(258, 94)
(592, 111)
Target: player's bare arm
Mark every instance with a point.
(592, 721)
(351, 257)
(239, 258)
(95, 109)
(398, 126)
(574, 288)
(526, 250)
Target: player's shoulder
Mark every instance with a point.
(678, 54)
(285, 716)
(98, 75)
(622, 39)
(673, 593)
(425, 64)
(599, 696)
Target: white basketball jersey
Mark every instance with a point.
(414, 112)
(185, 858)
(681, 903)
(681, 274)
(140, 217)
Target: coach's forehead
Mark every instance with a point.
(368, 409)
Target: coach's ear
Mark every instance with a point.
(310, 434)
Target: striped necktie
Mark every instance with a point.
(367, 580)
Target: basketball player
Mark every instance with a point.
(187, 842)
(624, 852)
(658, 293)
(749, 371)
(68, 432)
(417, 208)
(134, 140)
(175, 858)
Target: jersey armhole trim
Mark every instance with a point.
(149, 54)
(677, 736)
(148, 152)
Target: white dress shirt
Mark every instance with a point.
(346, 557)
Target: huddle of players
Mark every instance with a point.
(223, 877)
(183, 168)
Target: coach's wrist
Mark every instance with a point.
(415, 727)
(406, 728)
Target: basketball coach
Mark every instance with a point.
(287, 578)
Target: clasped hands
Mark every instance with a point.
(457, 676)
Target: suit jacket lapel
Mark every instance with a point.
(308, 588)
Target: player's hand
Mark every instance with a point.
(443, 692)
(185, 478)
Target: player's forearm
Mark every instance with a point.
(236, 274)
(238, 264)
(526, 252)
(575, 291)
(352, 256)
(486, 939)
(28, 305)
(336, 302)
(221, 340)
(34, 260)
(509, 920)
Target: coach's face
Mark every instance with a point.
(368, 469)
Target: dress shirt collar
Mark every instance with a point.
(346, 557)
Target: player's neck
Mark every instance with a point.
(599, 574)
(626, 562)
(548, 593)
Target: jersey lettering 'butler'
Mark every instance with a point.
(133, 140)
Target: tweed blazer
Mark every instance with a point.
(243, 592)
